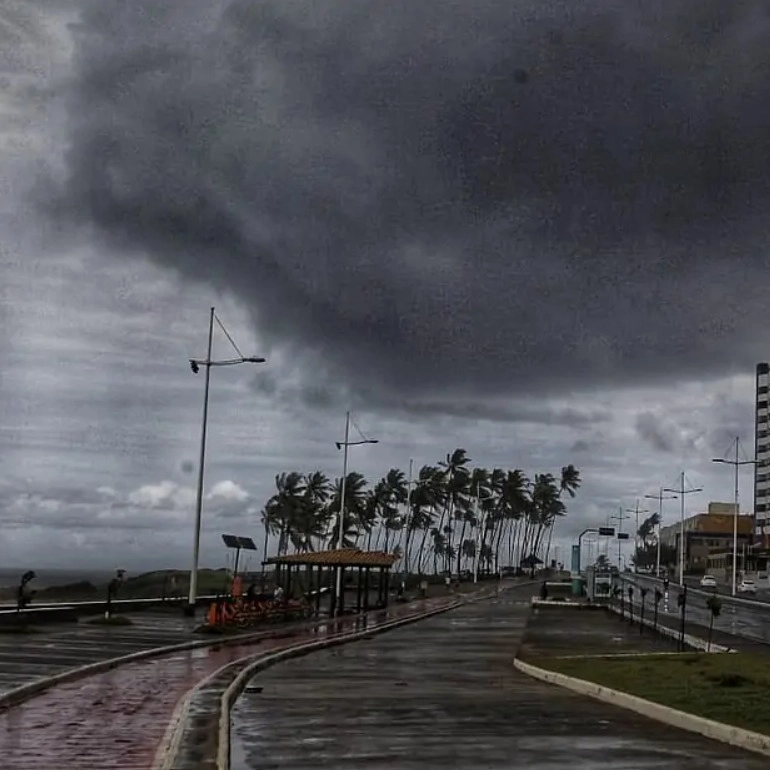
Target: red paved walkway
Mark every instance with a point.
(117, 720)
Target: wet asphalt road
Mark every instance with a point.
(444, 693)
(28, 657)
(751, 621)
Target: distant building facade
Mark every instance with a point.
(762, 452)
(706, 534)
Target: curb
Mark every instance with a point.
(26, 691)
(568, 605)
(734, 736)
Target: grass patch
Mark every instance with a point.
(729, 687)
(113, 620)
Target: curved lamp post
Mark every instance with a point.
(195, 365)
(736, 463)
(341, 520)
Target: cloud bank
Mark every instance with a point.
(466, 198)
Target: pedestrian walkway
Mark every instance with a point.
(116, 720)
(444, 693)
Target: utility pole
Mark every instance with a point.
(195, 365)
(660, 497)
(478, 537)
(682, 492)
(408, 517)
(636, 533)
(343, 491)
(620, 518)
(736, 463)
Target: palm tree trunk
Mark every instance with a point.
(497, 545)
(265, 543)
(460, 545)
(407, 540)
(550, 536)
(517, 543)
(421, 552)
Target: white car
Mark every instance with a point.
(747, 587)
(708, 581)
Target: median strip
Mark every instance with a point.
(724, 697)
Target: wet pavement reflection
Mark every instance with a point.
(444, 693)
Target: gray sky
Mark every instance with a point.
(536, 232)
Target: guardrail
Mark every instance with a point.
(69, 611)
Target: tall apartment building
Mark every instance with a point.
(762, 452)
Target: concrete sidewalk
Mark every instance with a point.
(444, 693)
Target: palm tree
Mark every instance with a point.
(395, 495)
(355, 510)
(456, 476)
(514, 506)
(265, 520)
(478, 484)
(318, 490)
(569, 483)
(546, 506)
(283, 507)
(427, 495)
(445, 502)
(370, 517)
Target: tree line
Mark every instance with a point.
(646, 550)
(438, 523)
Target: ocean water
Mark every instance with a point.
(55, 577)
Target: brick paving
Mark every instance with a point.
(116, 720)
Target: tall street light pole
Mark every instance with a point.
(408, 517)
(343, 488)
(195, 365)
(682, 492)
(619, 518)
(736, 463)
(479, 525)
(636, 534)
(660, 497)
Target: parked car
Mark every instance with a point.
(747, 587)
(708, 581)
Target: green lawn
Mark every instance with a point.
(732, 687)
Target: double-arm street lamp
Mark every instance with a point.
(341, 521)
(736, 463)
(637, 511)
(660, 497)
(195, 365)
(681, 492)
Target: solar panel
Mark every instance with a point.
(231, 541)
(247, 544)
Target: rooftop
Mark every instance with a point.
(345, 557)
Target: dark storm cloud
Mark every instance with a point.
(322, 396)
(660, 435)
(441, 197)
